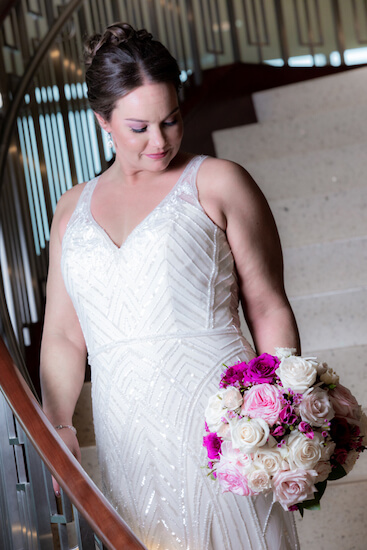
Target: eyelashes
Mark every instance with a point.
(139, 130)
(144, 129)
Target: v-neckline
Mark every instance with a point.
(143, 221)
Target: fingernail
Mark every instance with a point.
(57, 493)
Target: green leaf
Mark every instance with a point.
(337, 473)
(313, 504)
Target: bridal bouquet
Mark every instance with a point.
(284, 424)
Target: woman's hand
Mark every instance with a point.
(71, 441)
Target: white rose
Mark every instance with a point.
(269, 459)
(259, 480)
(224, 431)
(323, 469)
(214, 411)
(351, 460)
(315, 407)
(303, 452)
(232, 398)
(327, 450)
(329, 376)
(297, 373)
(281, 353)
(249, 433)
(321, 368)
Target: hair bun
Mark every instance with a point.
(114, 35)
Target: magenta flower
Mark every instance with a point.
(293, 508)
(306, 429)
(213, 445)
(288, 415)
(261, 370)
(278, 431)
(233, 376)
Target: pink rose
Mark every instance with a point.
(315, 407)
(231, 479)
(262, 401)
(344, 403)
(293, 486)
(230, 454)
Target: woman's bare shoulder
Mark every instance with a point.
(229, 186)
(65, 208)
(225, 176)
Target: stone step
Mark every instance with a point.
(331, 321)
(274, 139)
(340, 524)
(308, 173)
(316, 95)
(321, 218)
(83, 417)
(90, 464)
(325, 267)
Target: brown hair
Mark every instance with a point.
(122, 59)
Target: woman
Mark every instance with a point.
(146, 265)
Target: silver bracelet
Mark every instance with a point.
(61, 426)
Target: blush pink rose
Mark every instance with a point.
(232, 480)
(293, 486)
(315, 407)
(262, 401)
(344, 403)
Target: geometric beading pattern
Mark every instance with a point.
(160, 316)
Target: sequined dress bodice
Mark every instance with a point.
(160, 317)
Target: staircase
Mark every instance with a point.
(308, 154)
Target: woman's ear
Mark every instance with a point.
(102, 122)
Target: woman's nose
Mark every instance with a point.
(158, 138)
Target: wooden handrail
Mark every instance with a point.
(90, 502)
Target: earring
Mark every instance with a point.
(109, 141)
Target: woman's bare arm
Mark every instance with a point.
(234, 201)
(63, 351)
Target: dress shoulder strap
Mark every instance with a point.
(82, 205)
(189, 185)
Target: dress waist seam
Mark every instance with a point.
(170, 336)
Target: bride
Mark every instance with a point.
(148, 262)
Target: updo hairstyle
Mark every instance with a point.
(122, 59)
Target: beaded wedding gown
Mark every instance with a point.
(159, 316)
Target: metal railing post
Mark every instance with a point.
(198, 77)
(283, 41)
(339, 32)
(234, 37)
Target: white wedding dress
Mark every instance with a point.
(159, 316)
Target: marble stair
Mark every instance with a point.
(308, 153)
